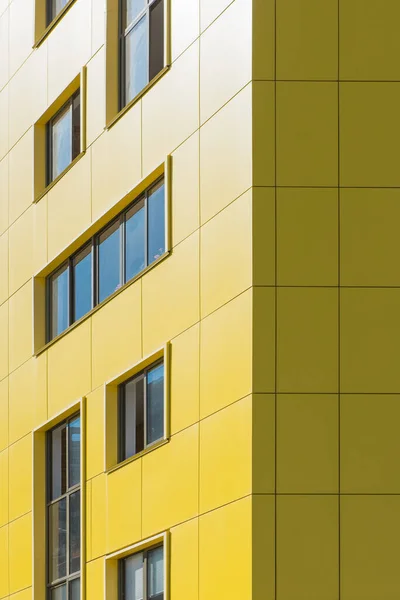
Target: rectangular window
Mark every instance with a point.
(133, 241)
(63, 137)
(141, 575)
(64, 510)
(141, 411)
(141, 45)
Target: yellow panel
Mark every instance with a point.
(369, 237)
(307, 39)
(226, 355)
(21, 250)
(263, 349)
(40, 390)
(69, 207)
(4, 328)
(225, 549)
(226, 268)
(263, 146)
(122, 142)
(185, 189)
(4, 122)
(4, 267)
(21, 400)
(263, 39)
(98, 24)
(171, 472)
(307, 340)
(3, 411)
(20, 326)
(69, 368)
(307, 235)
(307, 444)
(95, 579)
(370, 530)
(369, 444)
(226, 440)
(307, 134)
(4, 560)
(72, 57)
(226, 155)
(116, 335)
(184, 25)
(185, 561)
(263, 550)
(4, 491)
(98, 522)
(3, 186)
(210, 10)
(307, 547)
(369, 132)
(171, 110)
(167, 315)
(24, 595)
(95, 433)
(20, 553)
(185, 379)
(370, 340)
(263, 444)
(21, 32)
(96, 109)
(89, 521)
(20, 457)
(124, 510)
(40, 235)
(369, 40)
(232, 58)
(263, 240)
(4, 47)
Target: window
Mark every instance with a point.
(142, 45)
(141, 411)
(54, 7)
(64, 510)
(141, 575)
(63, 137)
(130, 243)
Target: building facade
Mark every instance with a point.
(199, 299)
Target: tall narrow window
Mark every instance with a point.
(64, 510)
(63, 137)
(142, 575)
(141, 401)
(142, 45)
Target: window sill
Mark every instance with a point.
(98, 306)
(53, 23)
(131, 459)
(137, 97)
(57, 179)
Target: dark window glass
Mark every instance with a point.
(64, 137)
(157, 38)
(55, 7)
(133, 567)
(58, 539)
(142, 575)
(134, 417)
(75, 589)
(74, 452)
(155, 404)
(59, 593)
(156, 573)
(109, 261)
(58, 462)
(59, 295)
(136, 59)
(156, 225)
(82, 277)
(135, 259)
(75, 532)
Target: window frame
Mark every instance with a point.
(49, 138)
(121, 572)
(68, 578)
(121, 410)
(94, 243)
(123, 32)
(49, 11)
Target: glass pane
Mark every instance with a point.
(155, 404)
(58, 540)
(82, 273)
(59, 593)
(133, 9)
(156, 38)
(75, 532)
(135, 241)
(57, 5)
(109, 261)
(59, 290)
(156, 225)
(76, 125)
(133, 572)
(75, 589)
(74, 451)
(134, 417)
(61, 140)
(58, 462)
(136, 60)
(156, 572)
